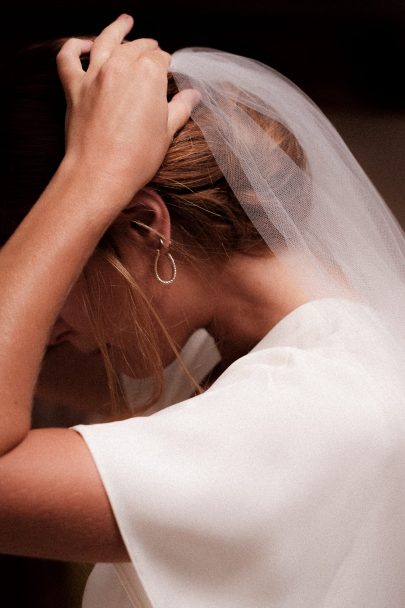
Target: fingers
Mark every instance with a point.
(149, 49)
(180, 109)
(111, 37)
(109, 44)
(68, 60)
(135, 72)
(101, 49)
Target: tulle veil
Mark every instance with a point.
(326, 219)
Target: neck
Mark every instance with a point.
(252, 294)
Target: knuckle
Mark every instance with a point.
(101, 53)
(67, 49)
(162, 58)
(61, 55)
(67, 46)
(111, 68)
(163, 54)
(149, 64)
(146, 43)
(141, 46)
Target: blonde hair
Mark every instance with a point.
(209, 224)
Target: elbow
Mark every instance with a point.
(13, 430)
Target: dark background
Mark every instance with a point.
(347, 55)
(338, 50)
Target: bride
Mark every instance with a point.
(245, 246)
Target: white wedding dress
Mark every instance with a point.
(280, 487)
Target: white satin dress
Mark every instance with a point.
(282, 486)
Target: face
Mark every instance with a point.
(74, 326)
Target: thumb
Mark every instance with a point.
(180, 108)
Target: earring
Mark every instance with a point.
(172, 262)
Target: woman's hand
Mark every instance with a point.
(119, 124)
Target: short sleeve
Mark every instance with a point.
(253, 494)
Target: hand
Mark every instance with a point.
(119, 124)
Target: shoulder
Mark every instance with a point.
(311, 377)
(305, 374)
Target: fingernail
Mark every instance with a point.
(125, 16)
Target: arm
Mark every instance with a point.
(51, 500)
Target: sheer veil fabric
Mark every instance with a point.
(283, 485)
(325, 218)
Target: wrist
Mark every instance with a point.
(105, 188)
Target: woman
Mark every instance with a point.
(280, 485)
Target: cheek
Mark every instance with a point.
(103, 302)
(111, 307)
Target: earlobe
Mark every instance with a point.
(149, 215)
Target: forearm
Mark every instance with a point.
(38, 266)
(119, 127)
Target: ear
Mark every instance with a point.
(150, 217)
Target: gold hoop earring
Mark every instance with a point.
(172, 262)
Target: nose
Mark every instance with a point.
(59, 332)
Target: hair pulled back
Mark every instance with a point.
(207, 219)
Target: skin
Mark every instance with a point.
(52, 502)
